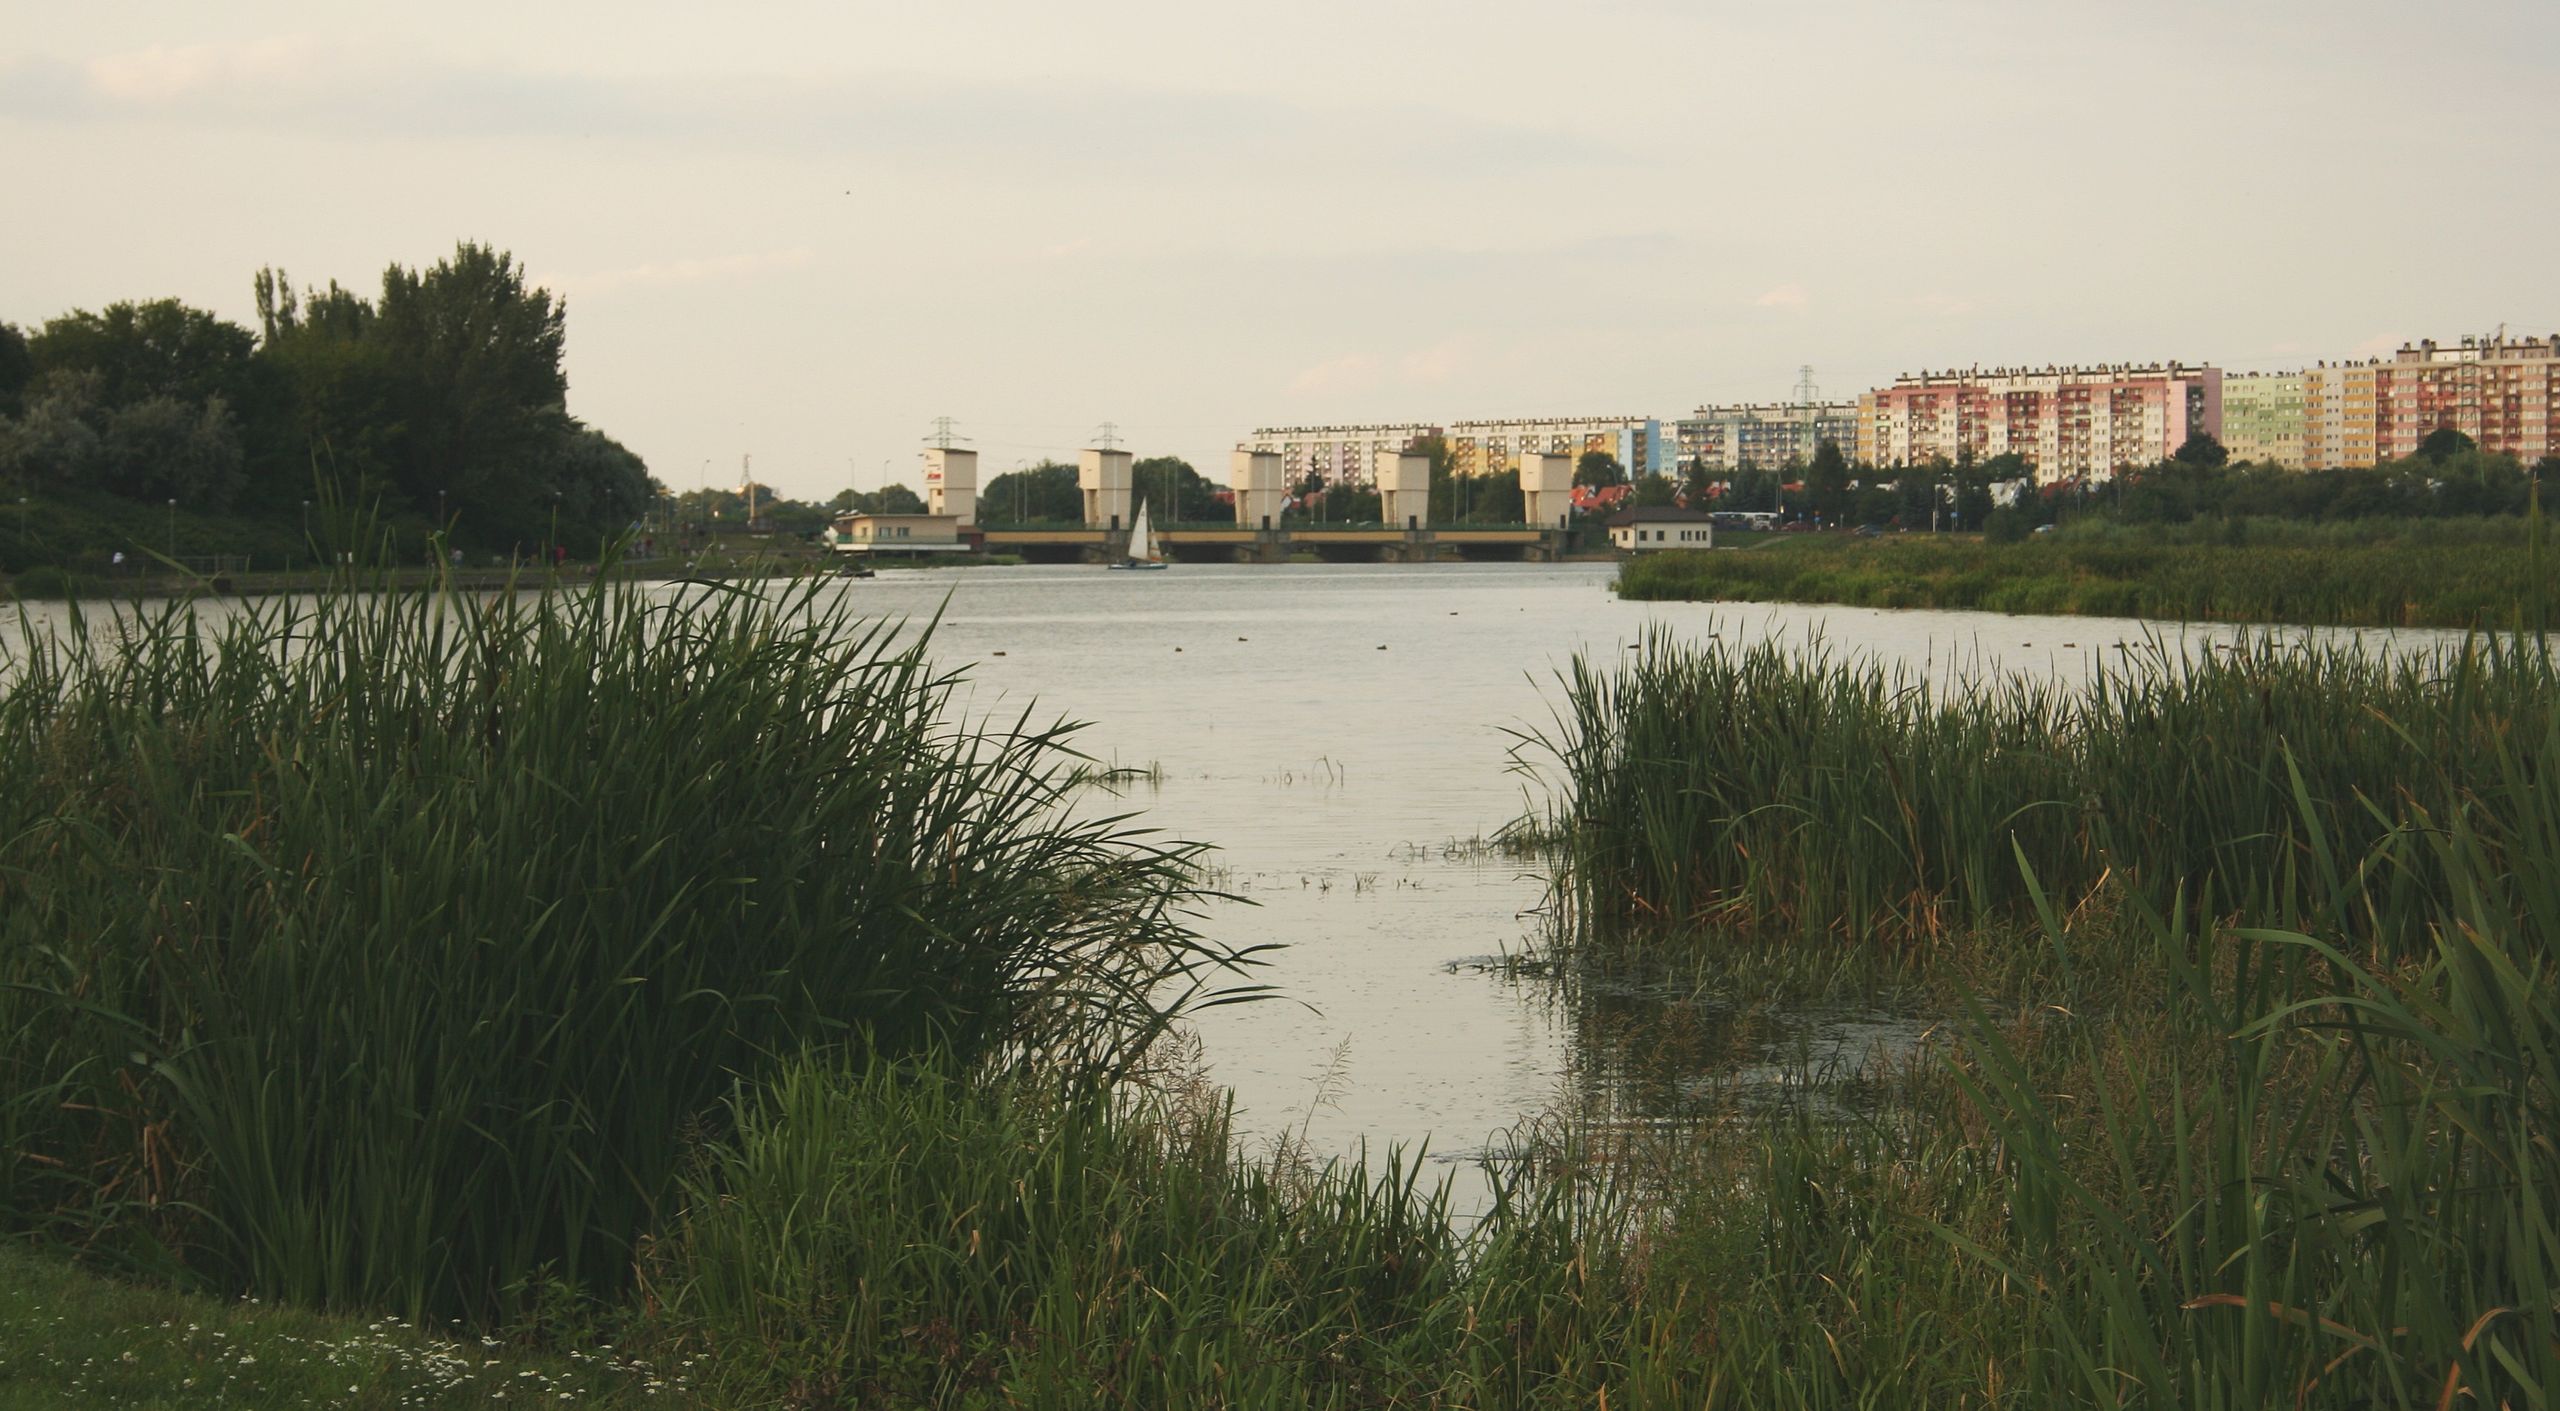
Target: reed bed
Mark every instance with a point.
(2245, 572)
(1765, 790)
(2277, 1124)
(391, 950)
(881, 1235)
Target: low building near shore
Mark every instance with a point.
(1645, 531)
(875, 534)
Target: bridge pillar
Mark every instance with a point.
(1404, 486)
(1255, 476)
(1104, 477)
(1546, 488)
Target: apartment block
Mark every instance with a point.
(2263, 419)
(1491, 447)
(1763, 435)
(2069, 423)
(2337, 415)
(1343, 455)
(2498, 391)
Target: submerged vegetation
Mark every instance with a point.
(2487, 573)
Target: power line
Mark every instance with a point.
(943, 435)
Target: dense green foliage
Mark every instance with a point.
(2491, 573)
(1048, 493)
(387, 951)
(1042, 494)
(443, 397)
(2253, 1100)
(884, 1237)
(2248, 1102)
(2447, 478)
(1767, 789)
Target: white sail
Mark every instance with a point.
(1140, 550)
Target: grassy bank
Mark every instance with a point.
(74, 1338)
(2438, 574)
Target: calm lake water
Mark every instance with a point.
(1333, 731)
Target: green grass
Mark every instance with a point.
(2430, 574)
(70, 1338)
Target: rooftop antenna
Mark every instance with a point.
(943, 435)
(1808, 398)
(1108, 437)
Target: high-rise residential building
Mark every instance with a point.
(2069, 423)
(2337, 415)
(2498, 391)
(1763, 435)
(2263, 418)
(1491, 447)
(1341, 454)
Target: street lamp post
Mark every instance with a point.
(173, 529)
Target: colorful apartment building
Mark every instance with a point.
(2263, 419)
(2337, 415)
(1491, 447)
(1343, 455)
(1761, 435)
(2069, 423)
(2498, 391)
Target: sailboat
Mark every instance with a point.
(1142, 546)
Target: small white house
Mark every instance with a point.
(1646, 531)
(899, 534)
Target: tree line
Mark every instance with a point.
(2448, 476)
(440, 399)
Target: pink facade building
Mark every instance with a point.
(2069, 423)
(2501, 392)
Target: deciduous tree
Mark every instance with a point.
(1599, 470)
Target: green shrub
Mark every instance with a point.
(42, 581)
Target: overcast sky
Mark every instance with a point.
(803, 231)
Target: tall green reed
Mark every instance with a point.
(878, 1234)
(2425, 575)
(2355, 1201)
(1770, 789)
(388, 949)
